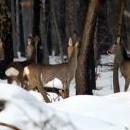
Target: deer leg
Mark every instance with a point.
(62, 92)
(127, 81)
(22, 83)
(9, 80)
(65, 90)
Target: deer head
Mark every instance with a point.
(32, 46)
(30, 49)
(114, 47)
(71, 48)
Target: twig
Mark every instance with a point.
(9, 126)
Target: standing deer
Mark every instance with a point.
(14, 71)
(64, 71)
(123, 61)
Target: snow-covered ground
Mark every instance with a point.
(102, 111)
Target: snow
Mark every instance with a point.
(102, 111)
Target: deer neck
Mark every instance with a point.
(73, 60)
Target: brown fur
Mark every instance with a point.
(125, 71)
(19, 65)
(124, 63)
(64, 72)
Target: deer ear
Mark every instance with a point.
(70, 42)
(76, 44)
(118, 40)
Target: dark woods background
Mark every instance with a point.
(54, 21)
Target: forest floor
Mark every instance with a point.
(101, 111)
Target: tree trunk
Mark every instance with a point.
(81, 75)
(36, 17)
(27, 17)
(118, 55)
(5, 35)
(72, 19)
(15, 49)
(43, 33)
(48, 26)
(110, 10)
(56, 28)
(61, 22)
(90, 65)
(17, 26)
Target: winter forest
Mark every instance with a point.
(83, 42)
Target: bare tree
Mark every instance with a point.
(43, 32)
(118, 55)
(14, 32)
(81, 76)
(27, 18)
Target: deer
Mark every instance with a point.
(14, 71)
(123, 61)
(65, 72)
